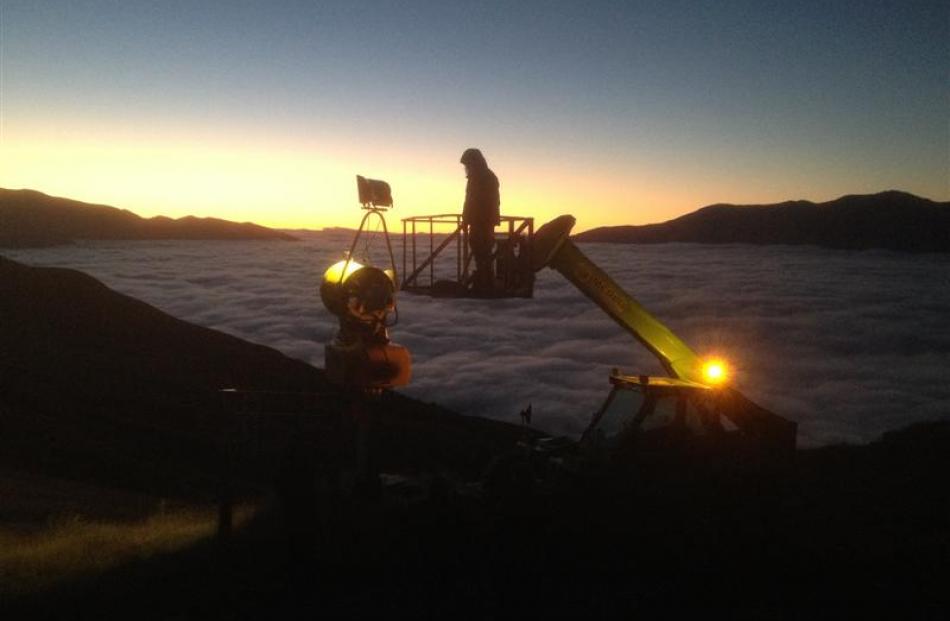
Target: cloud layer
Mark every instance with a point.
(847, 344)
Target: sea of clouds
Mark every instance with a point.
(848, 344)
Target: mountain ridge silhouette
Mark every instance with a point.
(890, 220)
(29, 218)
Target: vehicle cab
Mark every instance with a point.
(644, 414)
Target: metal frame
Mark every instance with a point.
(379, 211)
(516, 226)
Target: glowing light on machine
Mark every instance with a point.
(335, 273)
(715, 371)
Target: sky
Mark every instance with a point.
(624, 112)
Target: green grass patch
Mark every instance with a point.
(73, 547)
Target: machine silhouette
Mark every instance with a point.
(693, 408)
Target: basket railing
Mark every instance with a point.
(515, 232)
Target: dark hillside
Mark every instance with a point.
(110, 393)
(101, 386)
(29, 218)
(888, 220)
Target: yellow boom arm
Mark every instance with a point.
(553, 248)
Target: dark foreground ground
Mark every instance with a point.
(111, 394)
(848, 531)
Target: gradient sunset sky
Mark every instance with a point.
(618, 112)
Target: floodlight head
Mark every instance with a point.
(361, 356)
(374, 192)
(358, 293)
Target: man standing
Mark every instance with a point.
(480, 215)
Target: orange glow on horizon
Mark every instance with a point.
(283, 181)
(280, 190)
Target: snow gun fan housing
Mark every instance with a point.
(361, 354)
(363, 298)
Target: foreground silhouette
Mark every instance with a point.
(100, 387)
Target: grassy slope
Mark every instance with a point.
(72, 548)
(102, 387)
(115, 440)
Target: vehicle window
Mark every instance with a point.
(727, 425)
(696, 416)
(702, 417)
(619, 412)
(663, 415)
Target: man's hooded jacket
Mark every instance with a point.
(481, 192)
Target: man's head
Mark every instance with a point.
(473, 160)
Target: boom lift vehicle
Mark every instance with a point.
(692, 410)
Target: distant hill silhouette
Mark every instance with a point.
(30, 219)
(889, 220)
